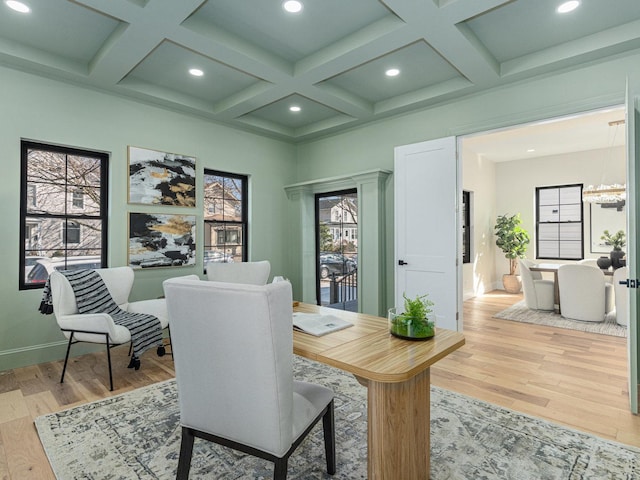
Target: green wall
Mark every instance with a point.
(53, 112)
(49, 111)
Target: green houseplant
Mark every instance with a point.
(416, 322)
(512, 239)
(616, 241)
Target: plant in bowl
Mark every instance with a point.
(416, 322)
(615, 241)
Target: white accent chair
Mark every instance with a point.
(538, 293)
(251, 273)
(233, 355)
(592, 262)
(622, 300)
(100, 327)
(584, 293)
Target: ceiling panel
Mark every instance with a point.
(279, 113)
(420, 67)
(168, 65)
(290, 36)
(63, 29)
(523, 27)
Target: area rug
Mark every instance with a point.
(136, 436)
(519, 312)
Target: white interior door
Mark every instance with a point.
(633, 235)
(426, 226)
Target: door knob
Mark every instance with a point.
(402, 262)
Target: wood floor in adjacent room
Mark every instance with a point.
(573, 378)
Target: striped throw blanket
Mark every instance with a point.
(92, 296)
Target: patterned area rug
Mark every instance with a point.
(520, 313)
(136, 436)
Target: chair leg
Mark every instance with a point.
(66, 358)
(106, 335)
(186, 450)
(280, 469)
(328, 426)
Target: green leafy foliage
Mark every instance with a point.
(512, 239)
(415, 321)
(616, 240)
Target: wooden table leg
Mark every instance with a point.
(399, 429)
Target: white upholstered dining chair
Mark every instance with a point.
(584, 294)
(253, 273)
(100, 327)
(233, 354)
(538, 293)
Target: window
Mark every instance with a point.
(63, 210)
(71, 232)
(559, 222)
(78, 199)
(31, 195)
(466, 227)
(225, 217)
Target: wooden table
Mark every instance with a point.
(396, 374)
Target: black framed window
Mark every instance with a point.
(466, 227)
(57, 230)
(559, 222)
(225, 217)
(78, 199)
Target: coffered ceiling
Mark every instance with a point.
(330, 59)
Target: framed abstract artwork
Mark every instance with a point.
(161, 240)
(161, 178)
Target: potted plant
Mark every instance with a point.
(417, 322)
(616, 241)
(512, 240)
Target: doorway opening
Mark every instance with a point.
(337, 249)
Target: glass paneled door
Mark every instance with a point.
(337, 249)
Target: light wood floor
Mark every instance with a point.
(573, 378)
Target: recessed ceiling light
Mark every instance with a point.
(569, 6)
(295, 108)
(392, 72)
(530, 150)
(17, 6)
(292, 6)
(196, 72)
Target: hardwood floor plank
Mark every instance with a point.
(12, 406)
(23, 452)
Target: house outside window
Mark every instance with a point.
(225, 217)
(559, 222)
(77, 200)
(56, 224)
(71, 232)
